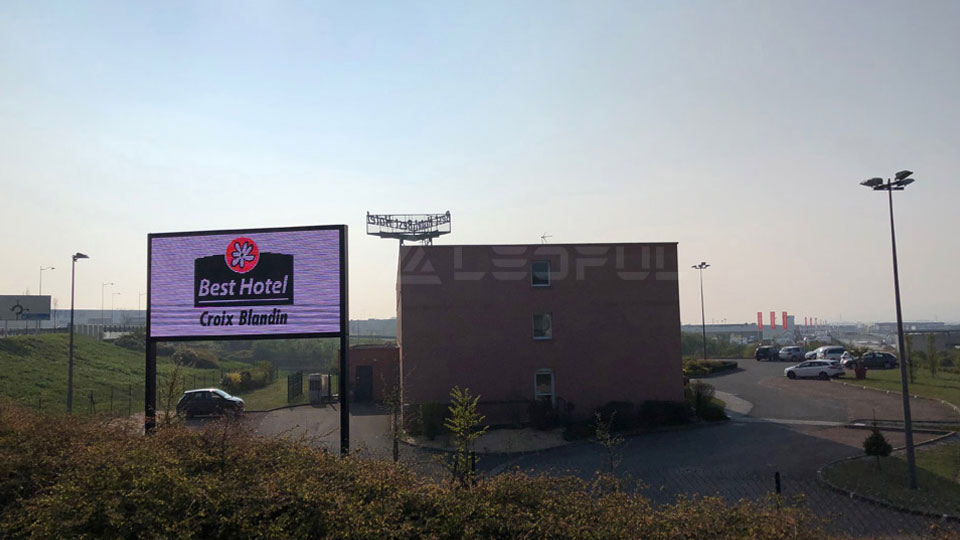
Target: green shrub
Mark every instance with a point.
(701, 398)
(699, 368)
(618, 415)
(431, 417)
(578, 431)
(542, 414)
(876, 445)
(134, 341)
(663, 413)
(196, 358)
(69, 477)
(246, 380)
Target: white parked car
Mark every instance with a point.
(821, 369)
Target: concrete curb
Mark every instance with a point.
(821, 478)
(914, 396)
(626, 434)
(283, 407)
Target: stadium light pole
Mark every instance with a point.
(902, 180)
(703, 319)
(73, 281)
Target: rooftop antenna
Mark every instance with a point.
(417, 227)
(543, 238)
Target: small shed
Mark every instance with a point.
(374, 372)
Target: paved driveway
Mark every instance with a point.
(774, 396)
(791, 427)
(320, 426)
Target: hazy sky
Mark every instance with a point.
(738, 129)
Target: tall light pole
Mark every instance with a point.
(73, 274)
(703, 319)
(102, 286)
(113, 298)
(902, 180)
(40, 289)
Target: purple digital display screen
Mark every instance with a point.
(245, 283)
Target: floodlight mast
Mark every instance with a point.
(902, 179)
(413, 227)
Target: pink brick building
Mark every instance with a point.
(579, 324)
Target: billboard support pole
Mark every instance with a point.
(150, 388)
(344, 348)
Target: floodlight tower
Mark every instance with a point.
(902, 180)
(703, 319)
(416, 227)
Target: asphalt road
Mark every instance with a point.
(791, 427)
(752, 382)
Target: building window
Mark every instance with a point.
(543, 386)
(543, 326)
(540, 274)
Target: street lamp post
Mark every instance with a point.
(113, 298)
(703, 320)
(40, 289)
(73, 274)
(102, 286)
(902, 180)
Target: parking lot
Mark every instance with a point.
(774, 396)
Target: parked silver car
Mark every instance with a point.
(791, 353)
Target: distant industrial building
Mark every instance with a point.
(748, 333)
(574, 325)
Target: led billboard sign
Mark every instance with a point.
(247, 283)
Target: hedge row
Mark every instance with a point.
(63, 477)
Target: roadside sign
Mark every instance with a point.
(25, 308)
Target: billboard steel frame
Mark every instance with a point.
(150, 390)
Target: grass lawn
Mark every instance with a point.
(33, 372)
(938, 471)
(273, 395)
(945, 386)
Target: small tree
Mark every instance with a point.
(611, 443)
(393, 401)
(171, 389)
(464, 423)
(933, 360)
(908, 355)
(876, 444)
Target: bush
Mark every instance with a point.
(542, 414)
(431, 417)
(664, 413)
(196, 358)
(701, 398)
(577, 431)
(876, 445)
(624, 418)
(246, 380)
(70, 477)
(134, 341)
(700, 368)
